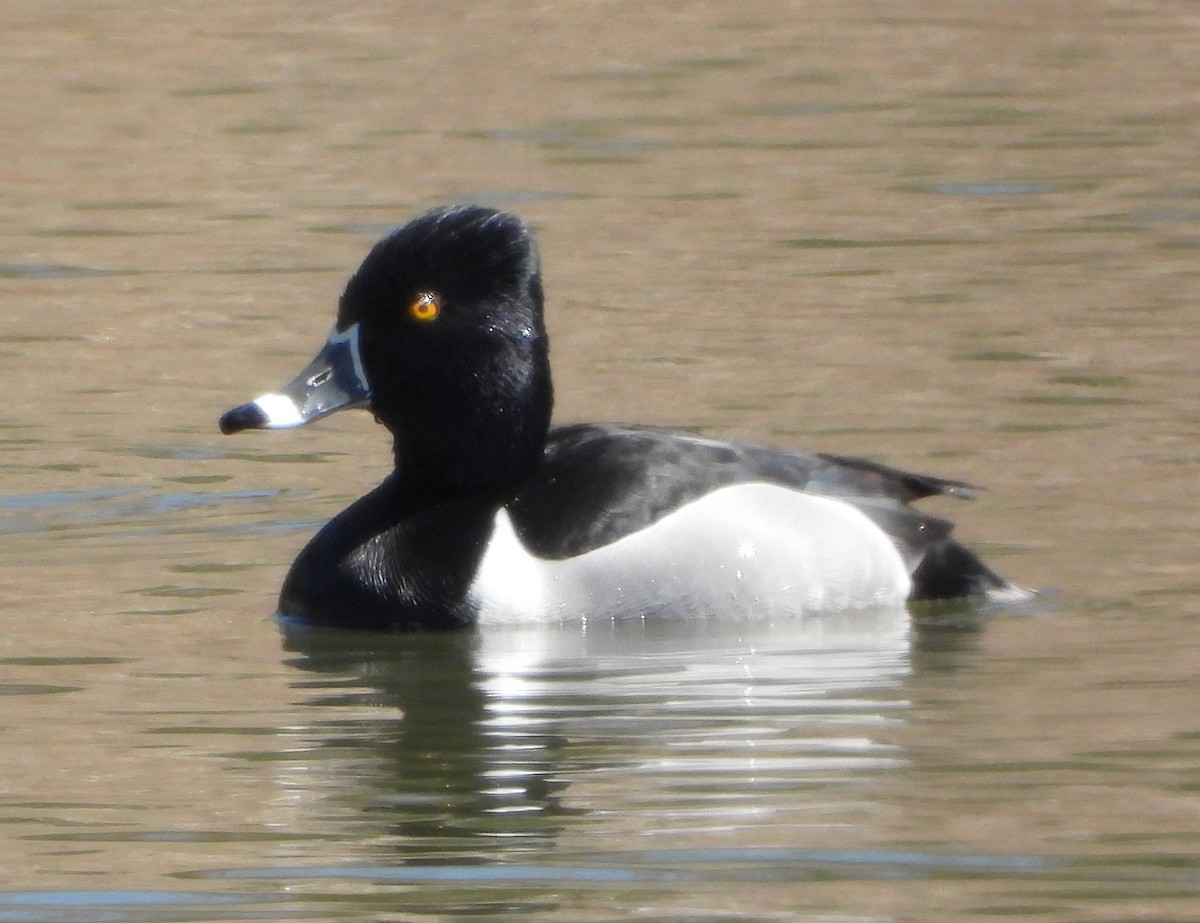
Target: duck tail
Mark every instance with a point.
(949, 570)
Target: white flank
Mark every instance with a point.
(750, 549)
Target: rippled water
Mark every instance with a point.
(962, 240)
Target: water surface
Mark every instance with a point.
(963, 241)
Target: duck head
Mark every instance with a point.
(440, 334)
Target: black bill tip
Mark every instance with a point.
(248, 416)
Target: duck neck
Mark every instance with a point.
(467, 445)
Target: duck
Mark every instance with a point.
(494, 515)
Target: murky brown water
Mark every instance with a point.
(959, 238)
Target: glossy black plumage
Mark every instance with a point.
(467, 395)
(599, 482)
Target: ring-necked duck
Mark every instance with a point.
(493, 516)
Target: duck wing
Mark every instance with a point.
(600, 482)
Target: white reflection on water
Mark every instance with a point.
(678, 753)
(672, 726)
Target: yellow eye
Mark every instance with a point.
(425, 307)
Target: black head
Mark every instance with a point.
(443, 321)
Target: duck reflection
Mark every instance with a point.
(479, 734)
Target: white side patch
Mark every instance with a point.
(750, 549)
(280, 410)
(511, 584)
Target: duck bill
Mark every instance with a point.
(333, 381)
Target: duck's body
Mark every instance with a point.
(491, 516)
(619, 520)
